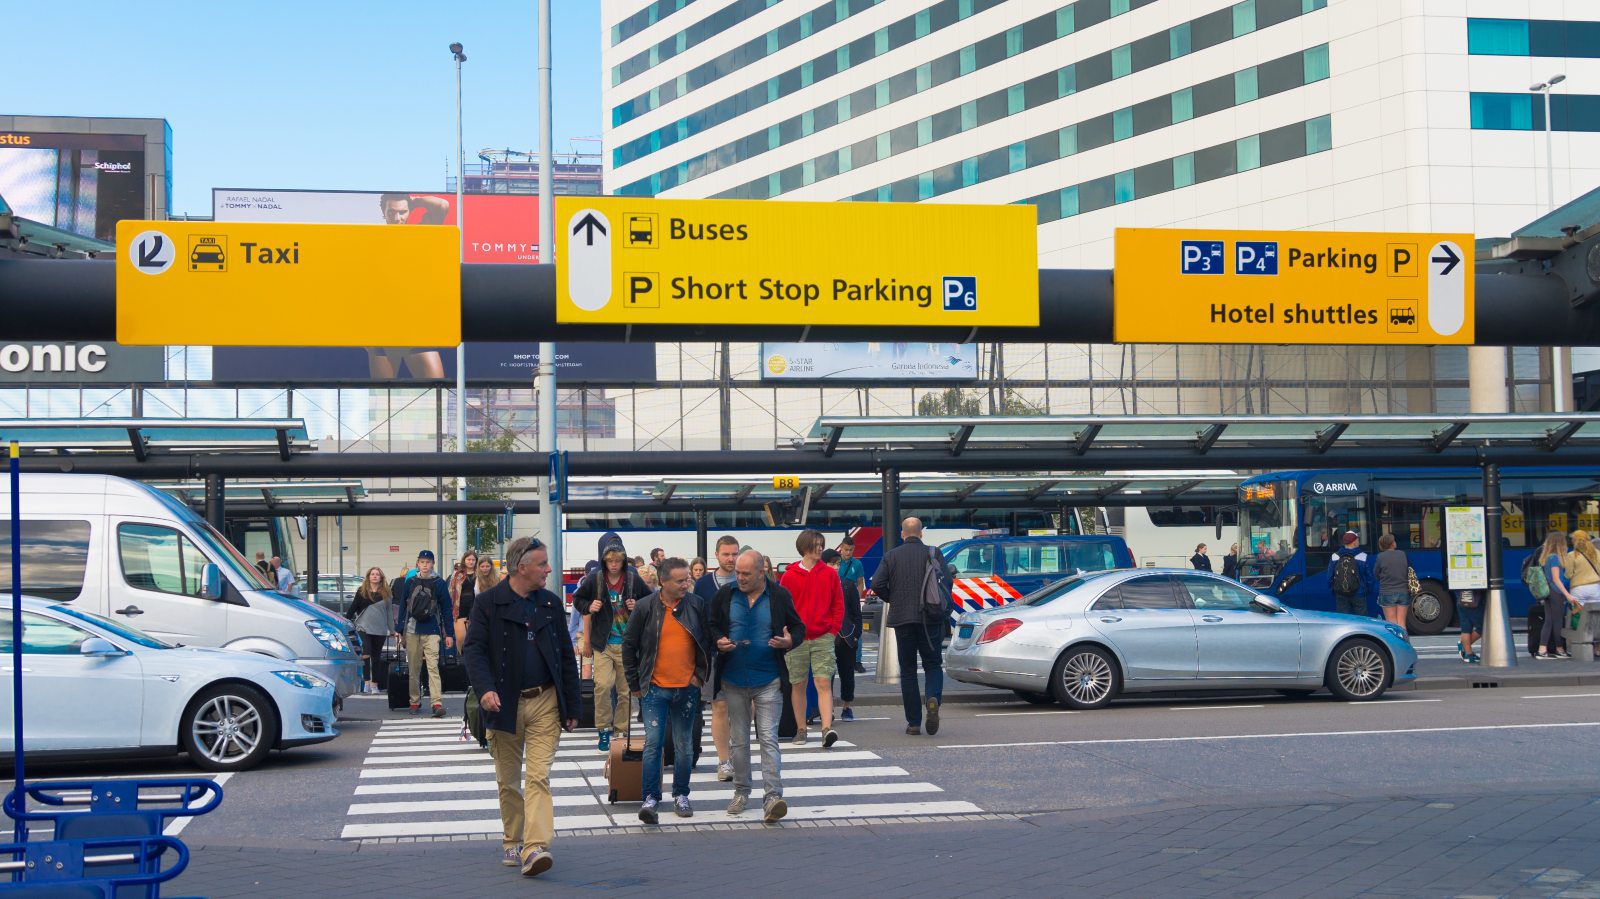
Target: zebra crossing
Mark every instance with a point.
(420, 780)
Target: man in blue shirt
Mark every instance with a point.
(854, 578)
(753, 623)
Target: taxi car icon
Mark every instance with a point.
(207, 252)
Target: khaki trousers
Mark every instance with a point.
(423, 650)
(526, 811)
(608, 676)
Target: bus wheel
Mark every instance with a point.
(1431, 610)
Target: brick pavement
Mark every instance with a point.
(1516, 843)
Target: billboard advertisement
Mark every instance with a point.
(82, 183)
(35, 364)
(500, 228)
(869, 361)
(487, 363)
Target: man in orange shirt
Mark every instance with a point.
(665, 660)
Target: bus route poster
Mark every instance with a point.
(1465, 553)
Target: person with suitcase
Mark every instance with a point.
(666, 660)
(424, 615)
(525, 671)
(606, 597)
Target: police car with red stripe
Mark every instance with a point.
(992, 569)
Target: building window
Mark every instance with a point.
(1319, 135)
(1506, 112)
(1183, 170)
(1497, 37)
(1249, 153)
(1122, 124)
(1316, 67)
(1122, 61)
(1069, 201)
(1244, 18)
(1123, 186)
(1178, 41)
(1245, 88)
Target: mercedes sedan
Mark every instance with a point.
(92, 688)
(1085, 640)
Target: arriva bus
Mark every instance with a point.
(1290, 522)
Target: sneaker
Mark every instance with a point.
(605, 741)
(932, 716)
(829, 737)
(739, 804)
(847, 715)
(415, 708)
(813, 719)
(1465, 656)
(860, 668)
(1475, 659)
(511, 856)
(725, 771)
(438, 710)
(1542, 656)
(799, 739)
(913, 730)
(647, 812)
(681, 807)
(1562, 654)
(537, 862)
(773, 809)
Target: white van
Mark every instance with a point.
(127, 551)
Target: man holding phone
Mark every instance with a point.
(521, 661)
(753, 623)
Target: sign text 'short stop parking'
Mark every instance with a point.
(1292, 287)
(631, 261)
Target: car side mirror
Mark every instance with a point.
(99, 647)
(210, 581)
(1266, 604)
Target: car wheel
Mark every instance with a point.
(1430, 611)
(1035, 698)
(1358, 671)
(229, 727)
(1086, 677)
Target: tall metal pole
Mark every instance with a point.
(19, 747)
(461, 348)
(1560, 356)
(888, 659)
(549, 512)
(1498, 651)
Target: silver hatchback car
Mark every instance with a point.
(1087, 639)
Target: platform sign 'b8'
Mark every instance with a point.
(960, 294)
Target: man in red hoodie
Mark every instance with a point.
(819, 598)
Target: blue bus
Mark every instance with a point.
(1290, 525)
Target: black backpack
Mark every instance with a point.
(422, 605)
(1347, 576)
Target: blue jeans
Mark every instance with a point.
(661, 705)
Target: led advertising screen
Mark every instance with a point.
(869, 361)
(500, 228)
(82, 183)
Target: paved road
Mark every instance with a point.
(1444, 791)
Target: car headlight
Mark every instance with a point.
(327, 636)
(305, 680)
(1397, 631)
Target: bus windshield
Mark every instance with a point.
(1268, 528)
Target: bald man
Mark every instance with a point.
(918, 633)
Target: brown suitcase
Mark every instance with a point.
(625, 767)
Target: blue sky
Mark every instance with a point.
(337, 94)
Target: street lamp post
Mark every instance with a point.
(461, 348)
(1560, 357)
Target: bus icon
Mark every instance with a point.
(641, 231)
(208, 253)
(1403, 316)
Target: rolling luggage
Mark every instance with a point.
(399, 683)
(786, 725)
(586, 702)
(625, 768)
(1535, 625)
(452, 672)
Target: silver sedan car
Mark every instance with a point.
(1087, 639)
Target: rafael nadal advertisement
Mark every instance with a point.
(499, 228)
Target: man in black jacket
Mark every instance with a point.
(753, 623)
(520, 660)
(666, 660)
(917, 634)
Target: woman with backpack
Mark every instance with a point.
(1552, 562)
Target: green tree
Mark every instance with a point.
(486, 528)
(949, 403)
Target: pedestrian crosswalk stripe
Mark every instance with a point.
(715, 795)
(459, 828)
(385, 754)
(453, 746)
(429, 771)
(561, 783)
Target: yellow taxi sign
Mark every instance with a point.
(1196, 285)
(785, 482)
(621, 260)
(271, 284)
